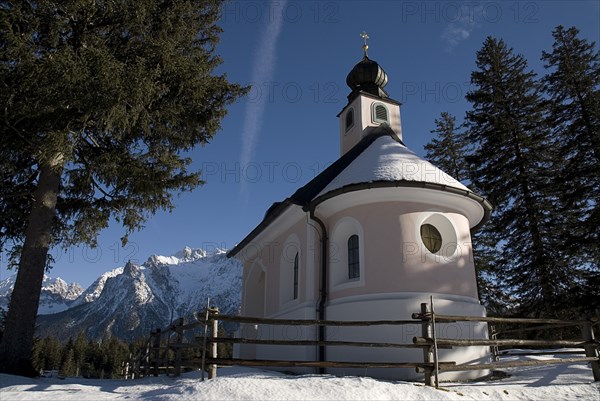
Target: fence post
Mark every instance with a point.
(156, 351)
(436, 366)
(126, 369)
(204, 340)
(135, 366)
(587, 332)
(426, 332)
(212, 370)
(494, 348)
(179, 341)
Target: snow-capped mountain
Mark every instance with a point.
(94, 290)
(56, 294)
(130, 301)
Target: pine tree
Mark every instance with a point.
(47, 354)
(511, 165)
(79, 352)
(2, 320)
(448, 151)
(68, 367)
(573, 85)
(99, 106)
(93, 359)
(114, 353)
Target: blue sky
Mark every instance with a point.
(296, 54)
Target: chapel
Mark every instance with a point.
(371, 237)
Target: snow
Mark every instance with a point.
(56, 295)
(387, 160)
(556, 382)
(132, 300)
(195, 276)
(95, 289)
(186, 255)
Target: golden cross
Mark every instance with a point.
(365, 46)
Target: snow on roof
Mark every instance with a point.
(379, 157)
(388, 160)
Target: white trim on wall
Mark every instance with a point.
(312, 252)
(447, 228)
(461, 204)
(403, 296)
(338, 254)
(252, 283)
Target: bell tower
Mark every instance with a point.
(368, 103)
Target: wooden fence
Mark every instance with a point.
(163, 352)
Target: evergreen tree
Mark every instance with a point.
(68, 367)
(99, 105)
(47, 354)
(114, 353)
(2, 320)
(79, 352)
(93, 358)
(448, 151)
(573, 85)
(511, 165)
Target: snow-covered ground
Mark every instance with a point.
(555, 382)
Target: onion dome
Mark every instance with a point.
(367, 76)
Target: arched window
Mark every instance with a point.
(296, 276)
(347, 254)
(353, 258)
(289, 268)
(380, 113)
(349, 119)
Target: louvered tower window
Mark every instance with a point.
(380, 113)
(353, 258)
(349, 119)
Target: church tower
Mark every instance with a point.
(369, 105)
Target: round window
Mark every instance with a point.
(431, 237)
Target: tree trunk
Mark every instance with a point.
(17, 341)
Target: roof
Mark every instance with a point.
(387, 159)
(307, 193)
(367, 76)
(380, 159)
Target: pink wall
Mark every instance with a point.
(393, 255)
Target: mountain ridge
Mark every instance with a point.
(57, 295)
(129, 301)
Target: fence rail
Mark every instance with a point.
(164, 347)
(229, 340)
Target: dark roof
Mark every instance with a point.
(303, 196)
(307, 193)
(307, 196)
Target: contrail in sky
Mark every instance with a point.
(263, 71)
